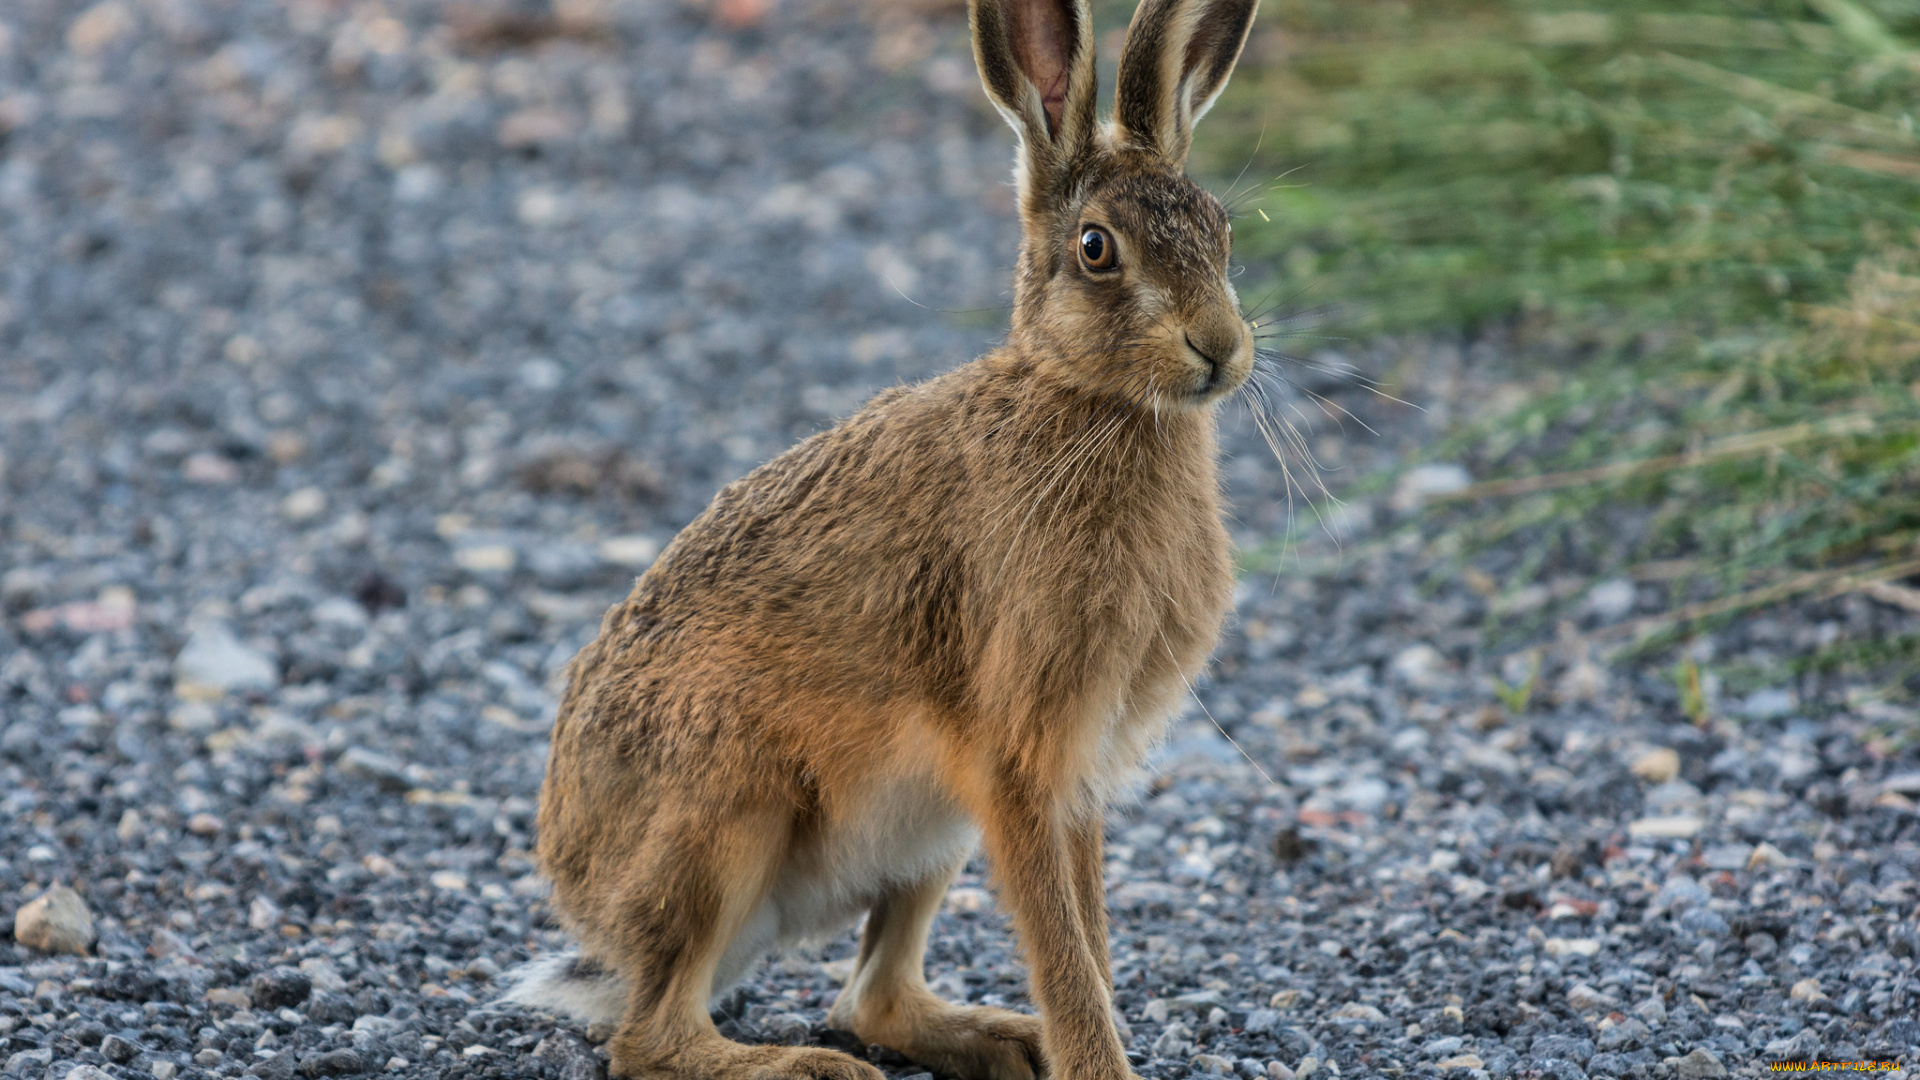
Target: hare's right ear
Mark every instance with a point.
(1036, 61)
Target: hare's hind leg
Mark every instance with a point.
(690, 895)
(887, 1000)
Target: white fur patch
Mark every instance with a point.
(553, 984)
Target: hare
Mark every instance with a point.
(963, 615)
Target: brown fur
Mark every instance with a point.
(975, 601)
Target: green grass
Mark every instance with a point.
(1698, 223)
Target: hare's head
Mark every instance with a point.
(1122, 286)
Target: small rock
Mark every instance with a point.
(29, 1061)
(1585, 1000)
(341, 1062)
(207, 467)
(1423, 482)
(1173, 1042)
(280, 988)
(1612, 599)
(209, 1057)
(164, 1070)
(57, 921)
(1671, 827)
(304, 505)
(1261, 1021)
(1213, 1065)
(569, 1057)
(322, 976)
(204, 824)
(1461, 1061)
(1571, 946)
(1657, 766)
(388, 774)
(632, 552)
(277, 1067)
(1354, 1010)
(263, 914)
(89, 1072)
(1767, 856)
(1699, 1065)
(1807, 990)
(1571, 1047)
(1705, 921)
(1418, 666)
(118, 1050)
(1196, 1002)
(1277, 1070)
(227, 995)
(214, 658)
(486, 558)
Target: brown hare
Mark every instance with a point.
(963, 615)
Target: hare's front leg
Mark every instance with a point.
(1042, 869)
(1087, 838)
(887, 1000)
(692, 889)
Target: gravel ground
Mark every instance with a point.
(352, 360)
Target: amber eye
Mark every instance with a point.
(1097, 251)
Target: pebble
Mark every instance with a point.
(56, 921)
(1666, 827)
(1700, 1064)
(1422, 482)
(342, 1062)
(1657, 766)
(213, 657)
(280, 988)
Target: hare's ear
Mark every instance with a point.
(1036, 61)
(1176, 61)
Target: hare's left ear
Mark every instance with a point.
(1036, 61)
(1176, 61)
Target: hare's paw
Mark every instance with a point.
(812, 1063)
(720, 1059)
(973, 1042)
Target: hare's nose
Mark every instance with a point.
(1211, 357)
(1217, 345)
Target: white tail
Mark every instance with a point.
(569, 985)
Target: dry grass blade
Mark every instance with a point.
(1785, 100)
(1826, 582)
(1733, 446)
(1899, 596)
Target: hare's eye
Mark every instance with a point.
(1097, 251)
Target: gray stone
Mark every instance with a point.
(280, 988)
(385, 772)
(335, 1063)
(1571, 1047)
(213, 657)
(1701, 1064)
(29, 1061)
(570, 1058)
